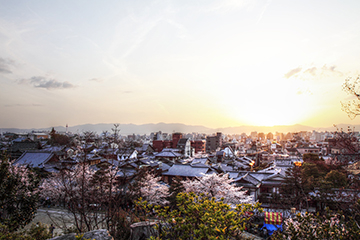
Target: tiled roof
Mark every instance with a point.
(150, 162)
(164, 167)
(168, 154)
(143, 148)
(34, 159)
(182, 141)
(123, 151)
(53, 149)
(185, 170)
(233, 174)
(126, 172)
(248, 178)
(276, 174)
(259, 175)
(199, 162)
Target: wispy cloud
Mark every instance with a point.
(47, 83)
(332, 69)
(227, 5)
(6, 65)
(23, 105)
(293, 72)
(263, 10)
(95, 80)
(304, 92)
(313, 72)
(324, 70)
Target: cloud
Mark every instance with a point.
(5, 65)
(23, 105)
(43, 82)
(263, 10)
(306, 92)
(127, 92)
(323, 71)
(331, 69)
(292, 72)
(316, 72)
(96, 80)
(311, 71)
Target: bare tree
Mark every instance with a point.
(116, 130)
(352, 87)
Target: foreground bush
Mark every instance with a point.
(201, 217)
(36, 232)
(327, 226)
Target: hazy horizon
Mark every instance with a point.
(216, 63)
(147, 128)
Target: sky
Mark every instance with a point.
(212, 63)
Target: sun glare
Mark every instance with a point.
(270, 108)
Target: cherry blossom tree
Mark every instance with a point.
(18, 194)
(95, 199)
(351, 87)
(153, 191)
(83, 192)
(325, 226)
(217, 186)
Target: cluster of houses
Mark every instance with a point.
(257, 162)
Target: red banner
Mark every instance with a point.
(273, 218)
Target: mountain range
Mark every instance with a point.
(126, 129)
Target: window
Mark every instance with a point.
(276, 190)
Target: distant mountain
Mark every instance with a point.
(126, 129)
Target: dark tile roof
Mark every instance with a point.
(185, 170)
(34, 159)
(23, 146)
(182, 141)
(248, 178)
(168, 154)
(126, 172)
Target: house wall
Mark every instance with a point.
(159, 145)
(199, 145)
(308, 150)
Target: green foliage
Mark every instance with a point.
(39, 232)
(293, 189)
(176, 187)
(36, 232)
(314, 176)
(80, 237)
(5, 234)
(18, 195)
(327, 226)
(198, 217)
(336, 179)
(311, 157)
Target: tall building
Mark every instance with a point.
(213, 142)
(199, 145)
(175, 139)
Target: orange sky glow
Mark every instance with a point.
(212, 63)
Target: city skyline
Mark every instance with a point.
(212, 63)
